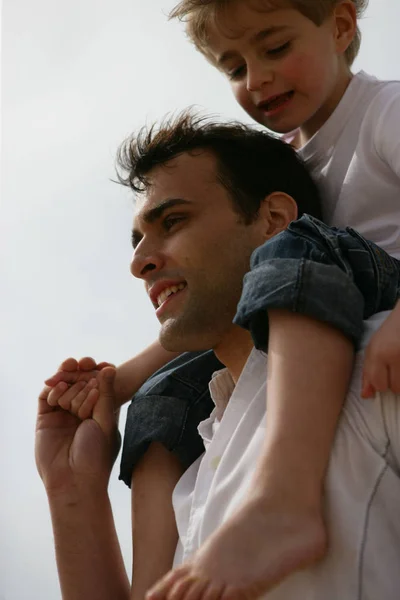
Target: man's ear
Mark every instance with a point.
(276, 212)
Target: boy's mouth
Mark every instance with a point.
(275, 102)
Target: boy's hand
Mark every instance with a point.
(78, 400)
(382, 358)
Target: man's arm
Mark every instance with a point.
(74, 460)
(89, 559)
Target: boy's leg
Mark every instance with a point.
(167, 409)
(154, 533)
(160, 442)
(279, 528)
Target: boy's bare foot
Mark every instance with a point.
(252, 552)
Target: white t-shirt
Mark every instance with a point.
(362, 486)
(355, 160)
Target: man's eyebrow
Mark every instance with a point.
(257, 37)
(155, 213)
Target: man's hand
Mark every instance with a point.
(70, 451)
(78, 400)
(382, 358)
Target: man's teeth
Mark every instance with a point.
(168, 291)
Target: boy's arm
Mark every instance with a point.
(382, 358)
(129, 378)
(154, 532)
(134, 372)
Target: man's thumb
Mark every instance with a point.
(103, 412)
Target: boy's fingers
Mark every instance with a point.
(378, 377)
(69, 364)
(87, 363)
(368, 391)
(66, 376)
(394, 379)
(102, 365)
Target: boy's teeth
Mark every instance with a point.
(168, 291)
(278, 101)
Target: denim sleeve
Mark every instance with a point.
(167, 409)
(295, 273)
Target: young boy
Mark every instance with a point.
(289, 66)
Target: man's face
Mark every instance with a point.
(192, 250)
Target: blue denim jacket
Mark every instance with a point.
(330, 274)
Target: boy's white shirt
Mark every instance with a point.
(362, 486)
(355, 160)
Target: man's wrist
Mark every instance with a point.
(78, 491)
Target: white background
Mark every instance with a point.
(77, 77)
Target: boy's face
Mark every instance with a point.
(285, 71)
(191, 250)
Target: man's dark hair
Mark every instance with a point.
(251, 163)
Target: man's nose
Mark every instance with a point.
(258, 74)
(144, 262)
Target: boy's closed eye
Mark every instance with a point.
(278, 50)
(239, 71)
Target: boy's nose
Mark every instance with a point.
(257, 76)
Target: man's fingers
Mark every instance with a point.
(86, 409)
(43, 406)
(56, 392)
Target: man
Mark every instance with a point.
(193, 237)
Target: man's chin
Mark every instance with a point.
(179, 342)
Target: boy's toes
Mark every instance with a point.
(162, 588)
(214, 591)
(190, 587)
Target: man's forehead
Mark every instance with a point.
(185, 171)
(185, 176)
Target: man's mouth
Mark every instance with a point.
(168, 291)
(275, 102)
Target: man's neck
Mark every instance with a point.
(234, 350)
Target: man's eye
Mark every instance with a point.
(237, 73)
(278, 50)
(170, 221)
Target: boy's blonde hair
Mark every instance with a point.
(198, 13)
